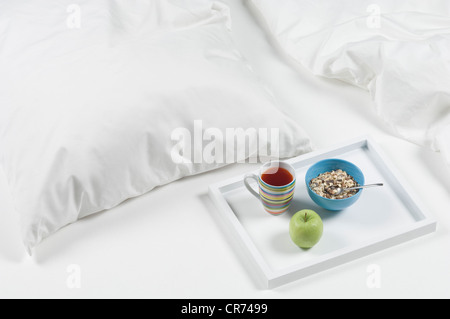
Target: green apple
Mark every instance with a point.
(306, 228)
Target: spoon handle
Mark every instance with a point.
(365, 186)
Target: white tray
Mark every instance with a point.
(382, 217)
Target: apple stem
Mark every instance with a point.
(306, 216)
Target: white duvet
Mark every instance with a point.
(399, 51)
(96, 97)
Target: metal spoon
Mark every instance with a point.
(339, 190)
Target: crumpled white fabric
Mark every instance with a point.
(91, 93)
(399, 51)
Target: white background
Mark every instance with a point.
(168, 243)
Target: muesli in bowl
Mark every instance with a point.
(335, 172)
(328, 184)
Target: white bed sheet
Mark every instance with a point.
(396, 50)
(151, 247)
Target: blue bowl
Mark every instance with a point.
(327, 166)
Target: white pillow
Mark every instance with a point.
(97, 99)
(399, 51)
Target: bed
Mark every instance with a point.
(168, 243)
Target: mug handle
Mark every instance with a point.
(250, 189)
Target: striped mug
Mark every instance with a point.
(276, 183)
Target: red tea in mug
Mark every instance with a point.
(277, 176)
